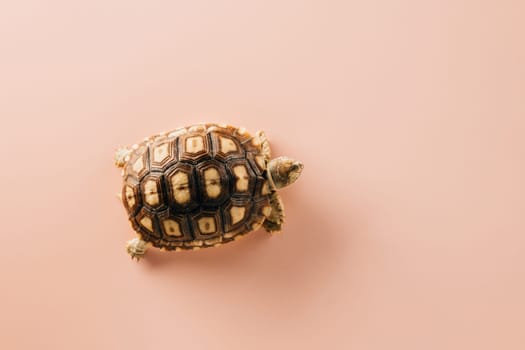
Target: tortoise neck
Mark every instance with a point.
(271, 182)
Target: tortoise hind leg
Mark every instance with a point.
(136, 248)
(122, 156)
(275, 220)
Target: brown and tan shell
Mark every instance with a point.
(196, 187)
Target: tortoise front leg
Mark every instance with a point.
(275, 220)
(136, 248)
(265, 144)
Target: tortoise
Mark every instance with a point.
(201, 186)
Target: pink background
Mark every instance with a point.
(406, 230)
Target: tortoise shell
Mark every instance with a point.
(197, 186)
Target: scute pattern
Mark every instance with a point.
(182, 187)
(196, 187)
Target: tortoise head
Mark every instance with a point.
(284, 171)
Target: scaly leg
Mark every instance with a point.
(275, 220)
(136, 248)
(265, 144)
(122, 156)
